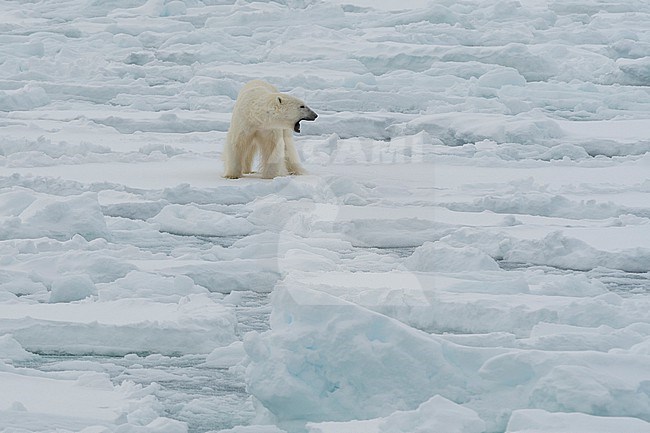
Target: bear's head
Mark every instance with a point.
(289, 111)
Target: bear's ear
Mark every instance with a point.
(280, 100)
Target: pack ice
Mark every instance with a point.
(470, 251)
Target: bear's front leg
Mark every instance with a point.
(291, 154)
(273, 155)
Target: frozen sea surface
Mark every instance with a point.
(469, 253)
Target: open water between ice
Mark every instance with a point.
(204, 397)
(207, 398)
(620, 282)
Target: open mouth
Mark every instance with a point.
(312, 117)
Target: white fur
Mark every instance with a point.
(262, 121)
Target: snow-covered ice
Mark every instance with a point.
(469, 253)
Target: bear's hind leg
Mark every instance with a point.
(233, 155)
(291, 154)
(248, 156)
(272, 148)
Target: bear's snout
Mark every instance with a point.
(310, 115)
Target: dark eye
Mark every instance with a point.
(302, 106)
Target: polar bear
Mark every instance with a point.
(262, 121)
